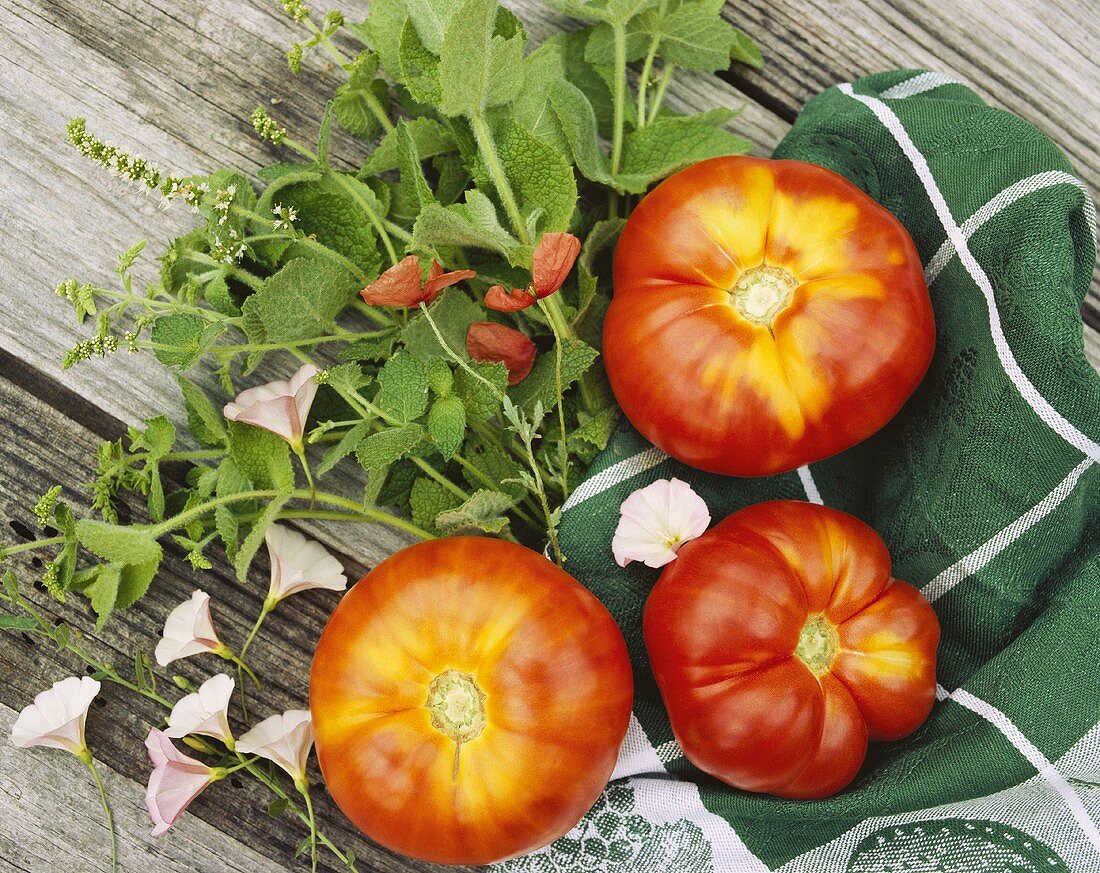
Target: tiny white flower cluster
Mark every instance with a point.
(223, 200)
(229, 250)
(285, 216)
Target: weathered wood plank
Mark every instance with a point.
(37, 447)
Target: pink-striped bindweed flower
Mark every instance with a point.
(56, 718)
(280, 407)
(656, 520)
(299, 564)
(176, 780)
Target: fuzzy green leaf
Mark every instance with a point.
(184, 337)
(429, 137)
(352, 100)
(417, 192)
(203, 419)
(102, 592)
(447, 424)
(404, 382)
(347, 444)
(670, 144)
(480, 399)
(472, 224)
(541, 385)
(376, 348)
(745, 50)
(453, 313)
(431, 18)
(133, 548)
(540, 176)
(17, 622)
(494, 462)
(228, 530)
(382, 31)
(543, 68)
(301, 301)
(610, 11)
(157, 439)
(484, 511)
(427, 500)
(419, 67)
(577, 120)
(261, 456)
(389, 445)
(251, 544)
(693, 36)
(478, 68)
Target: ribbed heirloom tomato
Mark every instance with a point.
(469, 699)
(766, 314)
(781, 644)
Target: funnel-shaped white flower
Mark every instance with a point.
(205, 711)
(280, 407)
(298, 564)
(285, 739)
(188, 630)
(57, 716)
(656, 520)
(176, 780)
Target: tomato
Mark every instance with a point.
(469, 699)
(781, 645)
(766, 314)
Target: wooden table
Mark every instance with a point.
(176, 80)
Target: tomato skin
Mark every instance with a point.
(722, 626)
(557, 684)
(728, 394)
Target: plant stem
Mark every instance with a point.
(267, 607)
(662, 87)
(564, 478)
(303, 788)
(8, 551)
(619, 117)
(647, 67)
(89, 762)
(372, 216)
(227, 654)
(496, 172)
(336, 54)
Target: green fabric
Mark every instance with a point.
(986, 490)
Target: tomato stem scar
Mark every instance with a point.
(817, 644)
(457, 706)
(761, 293)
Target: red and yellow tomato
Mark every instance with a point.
(766, 314)
(781, 644)
(469, 699)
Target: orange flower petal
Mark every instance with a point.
(438, 280)
(398, 286)
(502, 300)
(554, 258)
(497, 343)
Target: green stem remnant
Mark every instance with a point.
(89, 762)
(496, 172)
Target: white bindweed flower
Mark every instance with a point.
(656, 520)
(188, 630)
(280, 407)
(298, 564)
(176, 780)
(205, 711)
(284, 739)
(57, 716)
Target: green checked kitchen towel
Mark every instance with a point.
(986, 488)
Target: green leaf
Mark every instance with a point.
(484, 511)
(255, 538)
(596, 429)
(352, 100)
(204, 420)
(481, 400)
(540, 176)
(347, 444)
(440, 377)
(429, 137)
(382, 31)
(431, 18)
(453, 313)
(389, 445)
(132, 547)
(473, 224)
(417, 192)
(745, 50)
(672, 143)
(261, 456)
(328, 212)
(404, 382)
(376, 348)
(103, 592)
(301, 301)
(346, 378)
(228, 530)
(427, 500)
(419, 67)
(477, 67)
(694, 35)
(577, 120)
(184, 338)
(600, 49)
(277, 807)
(543, 68)
(66, 558)
(324, 135)
(17, 622)
(157, 439)
(541, 385)
(497, 465)
(447, 424)
(611, 11)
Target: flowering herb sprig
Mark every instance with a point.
(432, 317)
